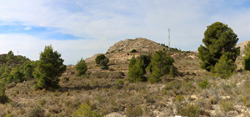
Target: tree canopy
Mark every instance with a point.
(49, 68)
(219, 39)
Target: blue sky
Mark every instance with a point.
(80, 28)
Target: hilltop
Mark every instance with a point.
(122, 51)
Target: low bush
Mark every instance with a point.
(134, 111)
(204, 84)
(86, 111)
(191, 111)
(226, 106)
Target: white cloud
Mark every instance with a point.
(27, 28)
(101, 23)
(31, 47)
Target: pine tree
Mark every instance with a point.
(49, 68)
(81, 67)
(224, 68)
(132, 61)
(161, 64)
(3, 97)
(246, 58)
(219, 39)
(246, 61)
(136, 72)
(246, 49)
(102, 60)
(28, 71)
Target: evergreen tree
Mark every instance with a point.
(219, 40)
(161, 64)
(246, 58)
(225, 67)
(102, 60)
(136, 72)
(246, 49)
(99, 58)
(3, 97)
(15, 76)
(49, 68)
(132, 61)
(28, 71)
(81, 67)
(246, 61)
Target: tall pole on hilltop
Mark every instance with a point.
(169, 39)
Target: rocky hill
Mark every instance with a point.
(121, 51)
(141, 45)
(241, 45)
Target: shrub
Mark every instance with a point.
(81, 67)
(161, 64)
(173, 85)
(36, 112)
(178, 98)
(246, 61)
(246, 49)
(136, 72)
(132, 62)
(116, 75)
(133, 111)
(15, 76)
(219, 39)
(204, 84)
(3, 97)
(49, 68)
(102, 60)
(173, 71)
(226, 106)
(133, 51)
(191, 111)
(99, 58)
(86, 111)
(28, 71)
(224, 68)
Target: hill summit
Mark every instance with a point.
(121, 52)
(141, 45)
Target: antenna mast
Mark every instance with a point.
(168, 39)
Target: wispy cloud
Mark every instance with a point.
(81, 28)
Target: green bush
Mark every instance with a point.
(226, 106)
(224, 68)
(246, 61)
(15, 76)
(134, 111)
(136, 72)
(3, 97)
(49, 68)
(178, 98)
(81, 67)
(36, 112)
(191, 111)
(28, 71)
(161, 64)
(132, 62)
(133, 51)
(204, 84)
(86, 111)
(103, 61)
